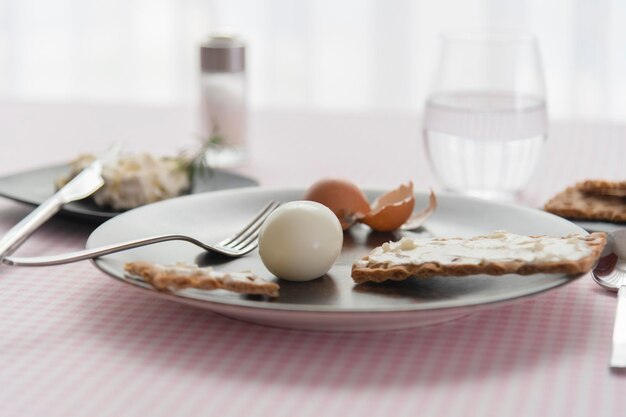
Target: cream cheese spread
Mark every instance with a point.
(135, 180)
(496, 247)
(189, 270)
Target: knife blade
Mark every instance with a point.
(87, 182)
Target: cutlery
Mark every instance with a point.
(610, 273)
(241, 243)
(88, 181)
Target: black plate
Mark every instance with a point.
(35, 186)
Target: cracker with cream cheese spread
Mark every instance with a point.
(181, 276)
(498, 253)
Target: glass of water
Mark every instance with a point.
(485, 118)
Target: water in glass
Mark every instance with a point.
(484, 144)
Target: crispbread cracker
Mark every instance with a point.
(603, 187)
(479, 255)
(180, 276)
(575, 204)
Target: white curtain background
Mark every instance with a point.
(348, 55)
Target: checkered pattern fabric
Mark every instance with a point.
(76, 343)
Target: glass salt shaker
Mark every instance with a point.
(224, 100)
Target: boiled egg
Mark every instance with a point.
(300, 241)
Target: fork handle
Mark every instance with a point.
(82, 255)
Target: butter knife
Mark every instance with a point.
(87, 182)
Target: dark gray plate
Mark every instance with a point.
(34, 186)
(332, 302)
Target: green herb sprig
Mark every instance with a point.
(195, 160)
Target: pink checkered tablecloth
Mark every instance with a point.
(75, 343)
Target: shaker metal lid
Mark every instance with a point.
(223, 53)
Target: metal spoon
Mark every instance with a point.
(610, 273)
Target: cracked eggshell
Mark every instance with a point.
(342, 197)
(391, 210)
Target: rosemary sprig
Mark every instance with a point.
(195, 161)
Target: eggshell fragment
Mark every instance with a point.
(391, 210)
(418, 219)
(342, 197)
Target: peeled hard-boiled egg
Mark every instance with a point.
(300, 241)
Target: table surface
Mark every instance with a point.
(75, 343)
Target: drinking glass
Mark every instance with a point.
(485, 118)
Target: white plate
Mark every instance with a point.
(333, 302)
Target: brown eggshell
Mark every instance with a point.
(342, 197)
(417, 219)
(391, 210)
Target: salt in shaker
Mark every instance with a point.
(224, 99)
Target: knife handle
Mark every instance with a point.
(27, 226)
(618, 356)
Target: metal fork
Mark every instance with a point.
(243, 242)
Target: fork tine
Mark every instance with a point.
(247, 249)
(259, 218)
(250, 234)
(247, 241)
(251, 229)
(245, 228)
